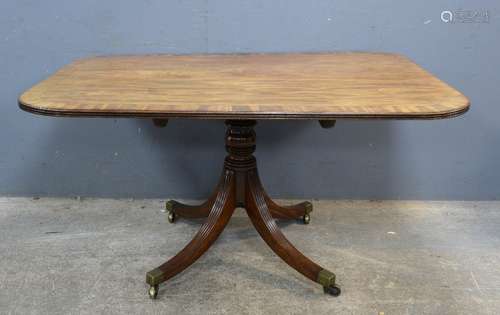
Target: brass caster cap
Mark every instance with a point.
(308, 207)
(169, 206)
(153, 292)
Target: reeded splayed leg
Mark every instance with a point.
(220, 213)
(240, 186)
(177, 209)
(300, 211)
(265, 224)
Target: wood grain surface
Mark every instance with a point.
(246, 86)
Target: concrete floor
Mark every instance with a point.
(67, 256)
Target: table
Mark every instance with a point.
(241, 89)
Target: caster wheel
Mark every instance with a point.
(171, 216)
(153, 292)
(332, 290)
(306, 219)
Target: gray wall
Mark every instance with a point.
(443, 159)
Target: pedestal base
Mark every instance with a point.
(240, 186)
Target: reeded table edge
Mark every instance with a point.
(240, 115)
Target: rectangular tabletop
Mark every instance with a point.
(246, 86)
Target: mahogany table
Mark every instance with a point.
(241, 89)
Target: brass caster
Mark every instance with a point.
(332, 290)
(171, 216)
(306, 218)
(153, 292)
